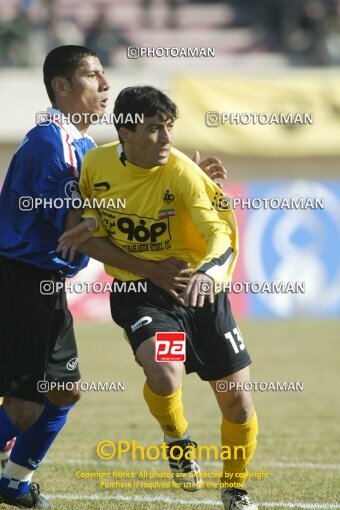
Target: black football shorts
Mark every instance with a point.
(37, 341)
(214, 346)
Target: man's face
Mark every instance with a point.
(87, 90)
(150, 144)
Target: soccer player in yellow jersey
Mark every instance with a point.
(163, 205)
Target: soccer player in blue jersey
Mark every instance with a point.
(37, 340)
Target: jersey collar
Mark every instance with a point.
(67, 126)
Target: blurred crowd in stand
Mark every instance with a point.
(306, 31)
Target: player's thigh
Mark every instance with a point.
(63, 360)
(25, 317)
(216, 340)
(163, 377)
(62, 371)
(142, 316)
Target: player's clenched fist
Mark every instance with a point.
(212, 167)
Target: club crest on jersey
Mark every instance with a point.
(71, 190)
(168, 197)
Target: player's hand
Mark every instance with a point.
(71, 239)
(212, 167)
(172, 275)
(199, 289)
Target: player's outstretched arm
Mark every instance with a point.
(217, 230)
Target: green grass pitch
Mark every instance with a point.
(298, 445)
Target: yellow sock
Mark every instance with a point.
(168, 411)
(240, 438)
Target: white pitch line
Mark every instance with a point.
(205, 502)
(284, 465)
(308, 465)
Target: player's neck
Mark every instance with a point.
(82, 127)
(133, 159)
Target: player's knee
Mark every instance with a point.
(23, 413)
(73, 396)
(165, 379)
(240, 407)
(65, 397)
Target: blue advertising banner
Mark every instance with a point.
(291, 235)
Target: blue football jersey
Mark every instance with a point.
(40, 184)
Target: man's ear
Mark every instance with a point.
(124, 134)
(60, 86)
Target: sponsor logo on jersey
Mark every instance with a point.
(139, 233)
(101, 186)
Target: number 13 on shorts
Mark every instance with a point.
(236, 340)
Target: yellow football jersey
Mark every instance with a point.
(155, 213)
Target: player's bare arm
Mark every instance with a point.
(171, 274)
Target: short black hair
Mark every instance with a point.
(63, 61)
(142, 100)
